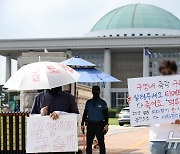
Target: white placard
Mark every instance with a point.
(47, 135)
(154, 100)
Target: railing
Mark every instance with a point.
(13, 133)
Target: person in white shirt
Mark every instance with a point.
(159, 133)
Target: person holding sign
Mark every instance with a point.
(96, 116)
(48, 102)
(160, 134)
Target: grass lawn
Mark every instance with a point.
(113, 121)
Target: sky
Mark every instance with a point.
(59, 18)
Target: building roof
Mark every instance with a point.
(137, 16)
(15, 47)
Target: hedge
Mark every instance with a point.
(112, 112)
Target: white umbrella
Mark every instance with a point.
(41, 75)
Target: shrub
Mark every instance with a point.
(120, 108)
(112, 112)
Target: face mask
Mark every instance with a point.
(95, 95)
(55, 91)
(166, 73)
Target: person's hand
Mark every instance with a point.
(177, 122)
(128, 99)
(44, 111)
(54, 116)
(106, 128)
(83, 128)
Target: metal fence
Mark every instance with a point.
(13, 133)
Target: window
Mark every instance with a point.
(156, 34)
(113, 103)
(117, 35)
(155, 64)
(125, 34)
(150, 64)
(148, 34)
(121, 95)
(126, 94)
(118, 99)
(155, 73)
(133, 34)
(113, 100)
(110, 35)
(121, 102)
(125, 111)
(88, 56)
(113, 95)
(141, 34)
(150, 73)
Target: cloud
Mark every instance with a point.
(60, 18)
(32, 18)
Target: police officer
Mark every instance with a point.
(96, 116)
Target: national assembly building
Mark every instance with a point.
(116, 44)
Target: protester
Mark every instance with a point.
(96, 116)
(49, 101)
(159, 133)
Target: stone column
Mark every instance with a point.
(107, 69)
(73, 85)
(145, 64)
(69, 53)
(8, 67)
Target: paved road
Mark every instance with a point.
(127, 140)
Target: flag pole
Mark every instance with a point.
(145, 63)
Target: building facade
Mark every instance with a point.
(135, 20)
(116, 45)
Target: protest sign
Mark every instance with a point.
(47, 135)
(154, 100)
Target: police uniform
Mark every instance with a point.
(96, 116)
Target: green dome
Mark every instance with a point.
(138, 16)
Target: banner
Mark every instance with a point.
(47, 135)
(154, 100)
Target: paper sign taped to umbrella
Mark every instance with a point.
(47, 135)
(154, 100)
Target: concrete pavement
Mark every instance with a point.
(127, 140)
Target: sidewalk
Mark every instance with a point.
(131, 142)
(128, 141)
